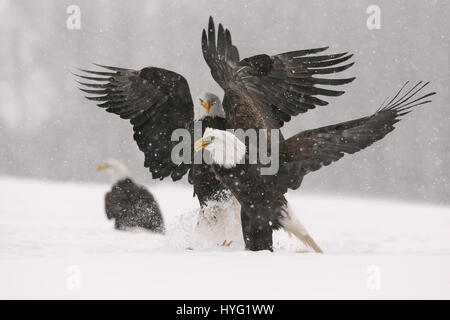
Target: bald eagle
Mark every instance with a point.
(263, 205)
(260, 92)
(209, 111)
(129, 204)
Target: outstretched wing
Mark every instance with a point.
(282, 85)
(310, 150)
(155, 100)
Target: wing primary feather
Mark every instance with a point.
(382, 105)
(110, 68)
(235, 54)
(405, 111)
(98, 73)
(211, 38)
(228, 45)
(102, 98)
(332, 70)
(300, 53)
(310, 90)
(408, 108)
(407, 96)
(408, 105)
(398, 93)
(331, 82)
(400, 99)
(93, 85)
(322, 58)
(106, 104)
(91, 78)
(205, 47)
(94, 91)
(327, 63)
(221, 44)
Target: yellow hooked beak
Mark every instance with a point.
(201, 144)
(101, 166)
(207, 105)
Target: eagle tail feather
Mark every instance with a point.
(290, 222)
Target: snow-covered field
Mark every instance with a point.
(55, 242)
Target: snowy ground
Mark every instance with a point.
(55, 242)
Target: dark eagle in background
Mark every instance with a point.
(260, 92)
(130, 205)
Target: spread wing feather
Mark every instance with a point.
(281, 85)
(310, 150)
(156, 102)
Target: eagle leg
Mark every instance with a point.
(256, 229)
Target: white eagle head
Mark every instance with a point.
(224, 147)
(115, 169)
(208, 105)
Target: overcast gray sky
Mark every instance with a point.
(49, 131)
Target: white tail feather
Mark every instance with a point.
(292, 225)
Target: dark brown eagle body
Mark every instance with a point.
(131, 205)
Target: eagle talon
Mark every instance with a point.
(226, 244)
